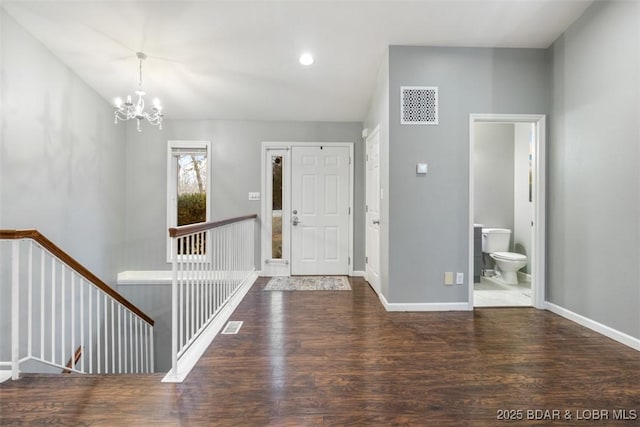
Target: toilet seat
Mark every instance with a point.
(509, 256)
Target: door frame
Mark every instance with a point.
(284, 267)
(539, 198)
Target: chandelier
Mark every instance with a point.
(128, 110)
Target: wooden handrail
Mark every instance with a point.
(74, 265)
(183, 230)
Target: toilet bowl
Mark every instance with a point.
(495, 242)
(508, 264)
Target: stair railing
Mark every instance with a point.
(64, 316)
(211, 262)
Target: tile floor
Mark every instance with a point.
(492, 292)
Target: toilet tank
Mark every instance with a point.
(495, 240)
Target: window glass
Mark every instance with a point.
(191, 188)
(276, 207)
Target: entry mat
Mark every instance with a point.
(308, 283)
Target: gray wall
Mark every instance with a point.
(428, 230)
(593, 246)
(493, 170)
(235, 171)
(61, 156)
(61, 162)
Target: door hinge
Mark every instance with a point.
(366, 208)
(349, 261)
(349, 160)
(366, 260)
(349, 211)
(367, 157)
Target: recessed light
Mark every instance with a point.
(306, 59)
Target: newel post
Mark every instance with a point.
(174, 306)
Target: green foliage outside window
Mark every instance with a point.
(192, 208)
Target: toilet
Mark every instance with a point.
(495, 242)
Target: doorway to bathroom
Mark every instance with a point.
(506, 210)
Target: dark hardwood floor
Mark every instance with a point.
(337, 358)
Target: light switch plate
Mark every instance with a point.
(254, 196)
(459, 278)
(422, 168)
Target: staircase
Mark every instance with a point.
(63, 318)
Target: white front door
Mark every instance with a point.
(319, 210)
(372, 216)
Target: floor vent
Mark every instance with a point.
(232, 327)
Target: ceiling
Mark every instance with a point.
(239, 59)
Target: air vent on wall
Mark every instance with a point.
(418, 105)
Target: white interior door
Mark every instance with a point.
(372, 260)
(319, 210)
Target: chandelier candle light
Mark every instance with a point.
(128, 110)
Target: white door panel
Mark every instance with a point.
(372, 215)
(320, 210)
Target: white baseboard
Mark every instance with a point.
(607, 331)
(4, 375)
(197, 349)
(425, 306)
(357, 273)
(144, 277)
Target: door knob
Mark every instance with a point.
(295, 220)
(376, 221)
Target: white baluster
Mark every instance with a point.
(182, 302)
(63, 313)
(15, 309)
(105, 322)
(113, 341)
(151, 349)
(124, 339)
(98, 340)
(119, 338)
(190, 268)
(138, 349)
(90, 355)
(73, 321)
(201, 288)
(30, 302)
(82, 346)
(131, 317)
(42, 307)
(53, 309)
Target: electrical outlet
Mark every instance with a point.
(459, 278)
(254, 196)
(448, 278)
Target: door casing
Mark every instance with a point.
(283, 268)
(539, 198)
